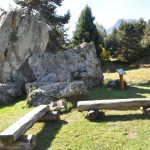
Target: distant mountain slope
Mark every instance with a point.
(117, 24)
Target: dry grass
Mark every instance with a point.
(138, 76)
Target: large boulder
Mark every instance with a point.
(72, 65)
(64, 74)
(20, 37)
(45, 94)
(26, 61)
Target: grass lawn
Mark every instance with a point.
(118, 130)
(138, 77)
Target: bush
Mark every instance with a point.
(104, 54)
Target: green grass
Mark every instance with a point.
(10, 114)
(139, 77)
(118, 130)
(130, 92)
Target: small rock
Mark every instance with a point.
(62, 104)
(115, 84)
(53, 104)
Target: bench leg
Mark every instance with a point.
(93, 115)
(146, 110)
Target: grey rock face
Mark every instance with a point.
(25, 60)
(8, 92)
(51, 92)
(71, 65)
(20, 37)
(64, 75)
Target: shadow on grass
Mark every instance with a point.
(13, 101)
(103, 92)
(126, 117)
(47, 134)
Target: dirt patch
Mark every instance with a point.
(131, 134)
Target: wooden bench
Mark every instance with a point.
(94, 106)
(12, 137)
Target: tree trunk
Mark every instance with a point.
(115, 104)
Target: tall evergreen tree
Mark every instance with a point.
(111, 42)
(101, 30)
(86, 30)
(146, 39)
(46, 10)
(129, 36)
(125, 42)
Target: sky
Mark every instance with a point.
(106, 12)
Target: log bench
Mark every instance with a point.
(94, 106)
(13, 138)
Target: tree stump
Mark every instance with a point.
(146, 110)
(92, 115)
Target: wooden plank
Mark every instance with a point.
(14, 131)
(114, 104)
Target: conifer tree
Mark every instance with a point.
(146, 39)
(46, 9)
(86, 30)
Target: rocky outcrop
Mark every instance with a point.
(51, 92)
(20, 37)
(25, 60)
(63, 75)
(72, 65)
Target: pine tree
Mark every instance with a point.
(125, 42)
(101, 30)
(146, 39)
(129, 36)
(46, 10)
(111, 42)
(86, 30)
